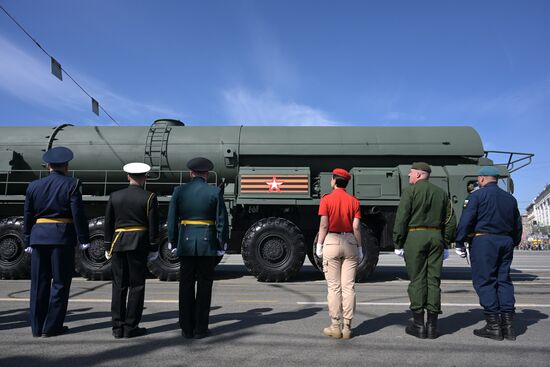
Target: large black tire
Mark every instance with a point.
(92, 263)
(371, 251)
(273, 250)
(15, 263)
(166, 266)
(310, 251)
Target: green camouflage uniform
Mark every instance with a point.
(425, 224)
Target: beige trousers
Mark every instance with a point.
(340, 266)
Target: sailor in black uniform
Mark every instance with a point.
(131, 239)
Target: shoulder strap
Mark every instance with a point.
(149, 203)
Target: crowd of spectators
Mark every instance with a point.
(537, 245)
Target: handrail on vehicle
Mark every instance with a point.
(107, 182)
(510, 161)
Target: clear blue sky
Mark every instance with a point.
(480, 63)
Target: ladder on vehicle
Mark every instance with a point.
(156, 149)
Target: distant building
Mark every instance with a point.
(527, 227)
(537, 217)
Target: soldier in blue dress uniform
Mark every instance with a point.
(54, 219)
(198, 230)
(492, 220)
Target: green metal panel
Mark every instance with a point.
(376, 183)
(361, 140)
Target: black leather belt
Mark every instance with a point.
(340, 232)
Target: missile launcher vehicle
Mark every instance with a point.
(273, 178)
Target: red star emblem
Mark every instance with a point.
(274, 185)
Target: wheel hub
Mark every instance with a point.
(167, 255)
(273, 249)
(96, 251)
(9, 248)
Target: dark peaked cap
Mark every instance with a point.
(422, 166)
(200, 164)
(58, 155)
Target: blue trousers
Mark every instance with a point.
(49, 300)
(491, 257)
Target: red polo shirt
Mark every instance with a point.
(340, 208)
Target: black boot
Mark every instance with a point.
(492, 329)
(431, 325)
(417, 328)
(508, 331)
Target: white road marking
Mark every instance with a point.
(520, 305)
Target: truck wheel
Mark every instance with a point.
(166, 266)
(371, 251)
(313, 259)
(273, 250)
(14, 262)
(91, 263)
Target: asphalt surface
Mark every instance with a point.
(280, 324)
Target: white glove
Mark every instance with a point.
(445, 254)
(107, 256)
(220, 252)
(152, 256)
(28, 250)
(172, 249)
(359, 253)
(399, 252)
(319, 250)
(84, 246)
(461, 251)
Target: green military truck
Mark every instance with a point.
(272, 176)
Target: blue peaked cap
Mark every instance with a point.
(58, 155)
(489, 171)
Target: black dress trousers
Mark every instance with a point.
(129, 271)
(194, 303)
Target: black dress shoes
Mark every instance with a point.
(187, 335)
(203, 334)
(138, 331)
(118, 333)
(63, 330)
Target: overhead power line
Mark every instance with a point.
(57, 69)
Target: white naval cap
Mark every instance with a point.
(136, 168)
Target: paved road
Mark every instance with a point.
(259, 324)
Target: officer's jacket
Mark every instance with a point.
(490, 210)
(130, 208)
(197, 201)
(55, 196)
(424, 205)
